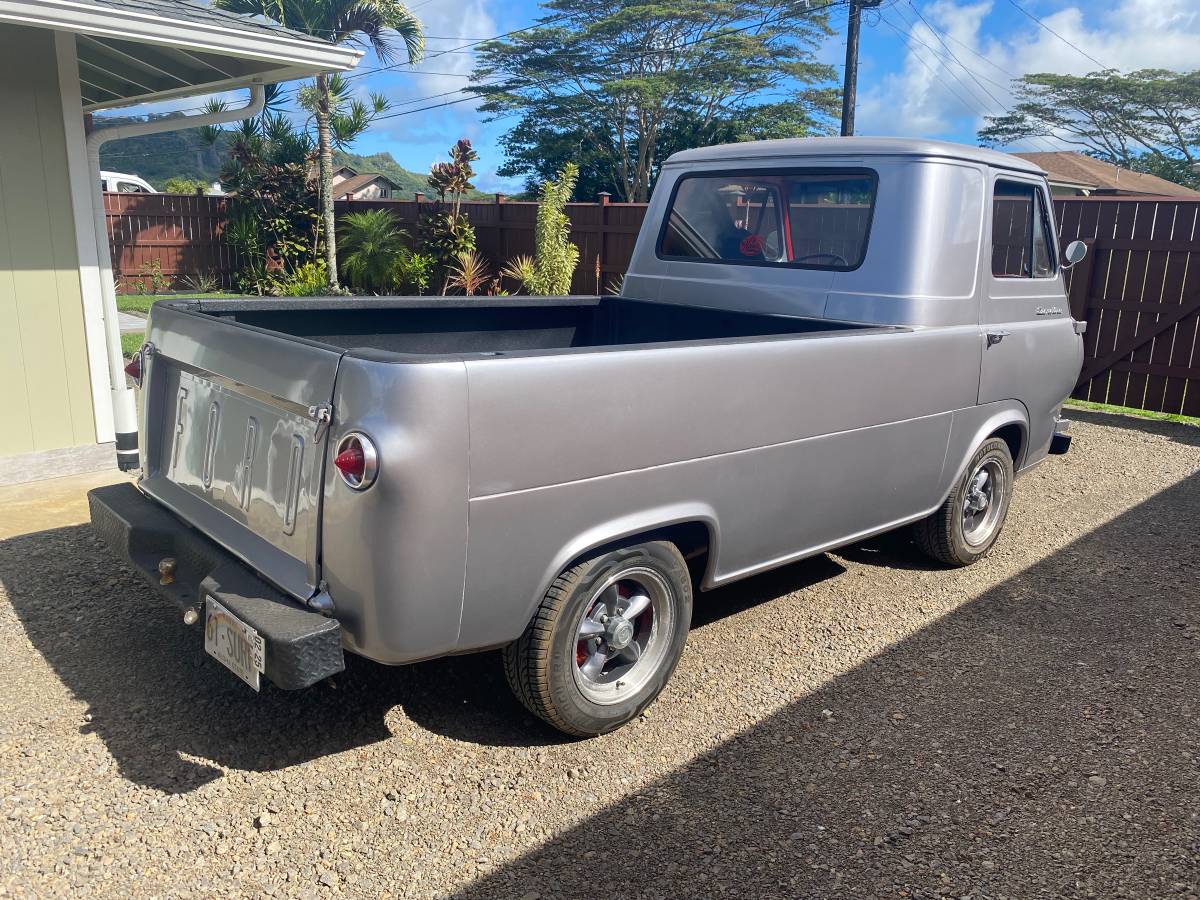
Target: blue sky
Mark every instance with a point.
(931, 78)
(928, 68)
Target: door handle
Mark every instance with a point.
(995, 337)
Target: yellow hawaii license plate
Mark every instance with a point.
(233, 643)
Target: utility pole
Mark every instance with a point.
(850, 86)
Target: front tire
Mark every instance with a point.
(967, 525)
(604, 640)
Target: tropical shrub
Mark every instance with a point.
(454, 177)
(556, 257)
(469, 273)
(372, 243)
(521, 269)
(305, 280)
(274, 223)
(443, 232)
(241, 233)
(201, 282)
(151, 278)
(413, 272)
(444, 237)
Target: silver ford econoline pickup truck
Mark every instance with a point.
(817, 341)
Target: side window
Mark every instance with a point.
(1020, 232)
(128, 187)
(810, 219)
(1043, 254)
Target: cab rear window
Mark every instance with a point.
(807, 218)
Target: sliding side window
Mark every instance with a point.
(1021, 233)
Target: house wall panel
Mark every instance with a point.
(44, 381)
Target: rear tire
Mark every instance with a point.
(967, 525)
(604, 640)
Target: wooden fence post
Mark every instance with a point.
(601, 253)
(501, 233)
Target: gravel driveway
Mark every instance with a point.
(855, 725)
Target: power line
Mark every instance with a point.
(970, 107)
(547, 81)
(473, 43)
(973, 108)
(1003, 71)
(994, 98)
(474, 95)
(1057, 35)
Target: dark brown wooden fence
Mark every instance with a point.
(184, 234)
(1139, 291)
(179, 231)
(604, 232)
(1138, 288)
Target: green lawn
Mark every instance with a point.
(130, 343)
(1127, 411)
(140, 303)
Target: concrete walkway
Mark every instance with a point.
(53, 503)
(130, 323)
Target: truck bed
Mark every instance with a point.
(459, 325)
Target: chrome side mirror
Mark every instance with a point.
(1076, 250)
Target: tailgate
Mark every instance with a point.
(232, 437)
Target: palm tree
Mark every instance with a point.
(381, 24)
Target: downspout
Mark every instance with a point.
(124, 409)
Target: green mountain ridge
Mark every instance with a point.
(407, 181)
(157, 157)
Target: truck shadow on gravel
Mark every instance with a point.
(163, 707)
(1042, 740)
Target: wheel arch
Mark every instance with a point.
(1008, 420)
(686, 525)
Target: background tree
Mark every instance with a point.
(381, 24)
(274, 223)
(182, 184)
(609, 82)
(1147, 121)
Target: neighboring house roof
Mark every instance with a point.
(1071, 169)
(863, 146)
(359, 182)
(134, 51)
(314, 171)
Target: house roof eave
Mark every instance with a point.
(288, 52)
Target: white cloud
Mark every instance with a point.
(933, 96)
(923, 98)
(444, 68)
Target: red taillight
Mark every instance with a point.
(357, 461)
(134, 369)
(352, 462)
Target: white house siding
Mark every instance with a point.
(45, 388)
(374, 191)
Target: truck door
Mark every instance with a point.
(1031, 352)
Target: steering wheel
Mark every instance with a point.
(838, 259)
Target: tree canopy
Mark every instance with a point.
(1148, 120)
(617, 85)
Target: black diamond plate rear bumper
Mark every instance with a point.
(302, 646)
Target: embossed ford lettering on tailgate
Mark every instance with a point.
(252, 458)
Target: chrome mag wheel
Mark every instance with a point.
(983, 506)
(623, 635)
